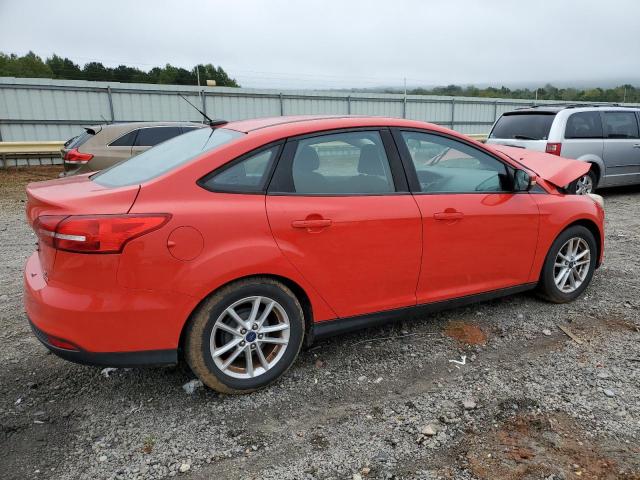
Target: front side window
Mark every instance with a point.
(247, 175)
(342, 163)
(164, 157)
(620, 125)
(444, 165)
(584, 125)
(148, 137)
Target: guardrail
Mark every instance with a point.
(481, 137)
(21, 151)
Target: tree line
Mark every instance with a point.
(620, 94)
(32, 66)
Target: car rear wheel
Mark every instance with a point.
(245, 336)
(585, 184)
(569, 265)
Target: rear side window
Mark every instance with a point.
(165, 157)
(148, 137)
(620, 125)
(584, 125)
(523, 126)
(342, 163)
(247, 175)
(127, 140)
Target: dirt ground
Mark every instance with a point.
(523, 401)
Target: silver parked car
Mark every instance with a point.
(102, 146)
(607, 136)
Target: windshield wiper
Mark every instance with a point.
(524, 137)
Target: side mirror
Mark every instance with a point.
(522, 181)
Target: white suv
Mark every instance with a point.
(607, 136)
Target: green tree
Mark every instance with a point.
(64, 68)
(97, 72)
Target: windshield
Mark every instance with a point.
(523, 126)
(164, 157)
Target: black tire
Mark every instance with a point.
(547, 287)
(201, 324)
(575, 186)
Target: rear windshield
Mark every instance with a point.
(164, 157)
(75, 142)
(523, 126)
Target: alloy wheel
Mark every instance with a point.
(584, 185)
(250, 337)
(572, 264)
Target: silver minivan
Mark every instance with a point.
(606, 136)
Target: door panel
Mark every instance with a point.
(478, 235)
(621, 147)
(475, 243)
(362, 253)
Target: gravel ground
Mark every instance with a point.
(529, 402)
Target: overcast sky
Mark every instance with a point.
(333, 44)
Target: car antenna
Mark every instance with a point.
(212, 123)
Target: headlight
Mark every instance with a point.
(597, 198)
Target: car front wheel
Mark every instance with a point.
(245, 336)
(569, 265)
(585, 184)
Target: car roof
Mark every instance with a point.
(298, 125)
(127, 126)
(580, 107)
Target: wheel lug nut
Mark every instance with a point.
(253, 346)
(260, 335)
(242, 343)
(243, 331)
(255, 326)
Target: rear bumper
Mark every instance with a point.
(109, 327)
(148, 358)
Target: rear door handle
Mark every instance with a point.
(636, 145)
(448, 215)
(317, 223)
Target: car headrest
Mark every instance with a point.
(307, 160)
(370, 162)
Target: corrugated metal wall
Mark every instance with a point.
(33, 109)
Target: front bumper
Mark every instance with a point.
(109, 327)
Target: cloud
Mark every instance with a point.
(330, 43)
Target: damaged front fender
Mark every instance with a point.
(556, 170)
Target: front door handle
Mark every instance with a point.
(448, 215)
(636, 145)
(316, 223)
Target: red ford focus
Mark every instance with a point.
(233, 245)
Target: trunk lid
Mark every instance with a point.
(76, 195)
(556, 170)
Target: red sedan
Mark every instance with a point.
(231, 246)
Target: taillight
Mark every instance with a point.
(95, 233)
(74, 156)
(554, 148)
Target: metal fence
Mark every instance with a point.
(35, 109)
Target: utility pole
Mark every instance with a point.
(198, 74)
